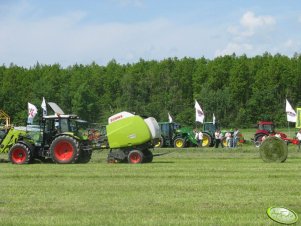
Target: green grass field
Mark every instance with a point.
(184, 187)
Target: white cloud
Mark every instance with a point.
(251, 22)
(250, 25)
(289, 43)
(253, 34)
(292, 45)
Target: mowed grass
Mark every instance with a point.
(183, 187)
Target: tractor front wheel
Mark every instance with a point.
(179, 143)
(259, 137)
(135, 157)
(65, 150)
(20, 154)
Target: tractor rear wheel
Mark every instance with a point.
(135, 157)
(160, 143)
(179, 143)
(20, 154)
(65, 150)
(206, 140)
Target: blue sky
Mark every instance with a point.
(77, 31)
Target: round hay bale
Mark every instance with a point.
(273, 149)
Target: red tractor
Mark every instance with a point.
(268, 129)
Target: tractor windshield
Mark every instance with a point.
(79, 127)
(210, 127)
(267, 127)
(34, 132)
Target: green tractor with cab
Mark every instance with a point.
(62, 138)
(209, 129)
(173, 135)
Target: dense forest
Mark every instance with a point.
(239, 90)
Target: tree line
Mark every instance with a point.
(239, 90)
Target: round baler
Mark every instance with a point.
(130, 137)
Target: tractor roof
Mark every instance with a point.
(56, 108)
(265, 123)
(60, 116)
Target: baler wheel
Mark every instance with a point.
(135, 157)
(20, 154)
(84, 157)
(148, 156)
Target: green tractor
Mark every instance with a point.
(173, 135)
(62, 138)
(209, 129)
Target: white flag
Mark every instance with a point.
(199, 114)
(290, 112)
(43, 105)
(213, 118)
(32, 111)
(169, 118)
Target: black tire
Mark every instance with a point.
(20, 154)
(148, 156)
(160, 143)
(179, 143)
(257, 144)
(64, 150)
(135, 157)
(84, 157)
(258, 137)
(118, 156)
(207, 140)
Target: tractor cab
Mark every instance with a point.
(210, 127)
(174, 135)
(266, 127)
(168, 130)
(53, 125)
